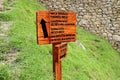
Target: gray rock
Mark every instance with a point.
(116, 37)
(104, 34)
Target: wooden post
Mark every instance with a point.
(57, 70)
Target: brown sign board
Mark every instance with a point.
(55, 27)
(60, 51)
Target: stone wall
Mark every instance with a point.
(101, 17)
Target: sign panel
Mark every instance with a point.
(60, 51)
(56, 27)
(62, 26)
(43, 27)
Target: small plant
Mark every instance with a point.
(8, 3)
(4, 49)
(0, 23)
(5, 4)
(2, 57)
(4, 17)
(4, 73)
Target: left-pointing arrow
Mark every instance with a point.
(44, 28)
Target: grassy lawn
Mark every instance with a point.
(98, 62)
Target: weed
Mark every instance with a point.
(4, 49)
(5, 17)
(7, 3)
(2, 57)
(0, 23)
(4, 73)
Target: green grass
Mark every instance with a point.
(98, 62)
(5, 17)
(0, 25)
(4, 72)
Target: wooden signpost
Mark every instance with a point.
(59, 52)
(56, 27)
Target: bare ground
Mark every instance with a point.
(4, 27)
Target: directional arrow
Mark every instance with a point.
(44, 28)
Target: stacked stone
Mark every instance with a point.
(102, 17)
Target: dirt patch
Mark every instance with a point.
(4, 29)
(5, 25)
(8, 55)
(11, 56)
